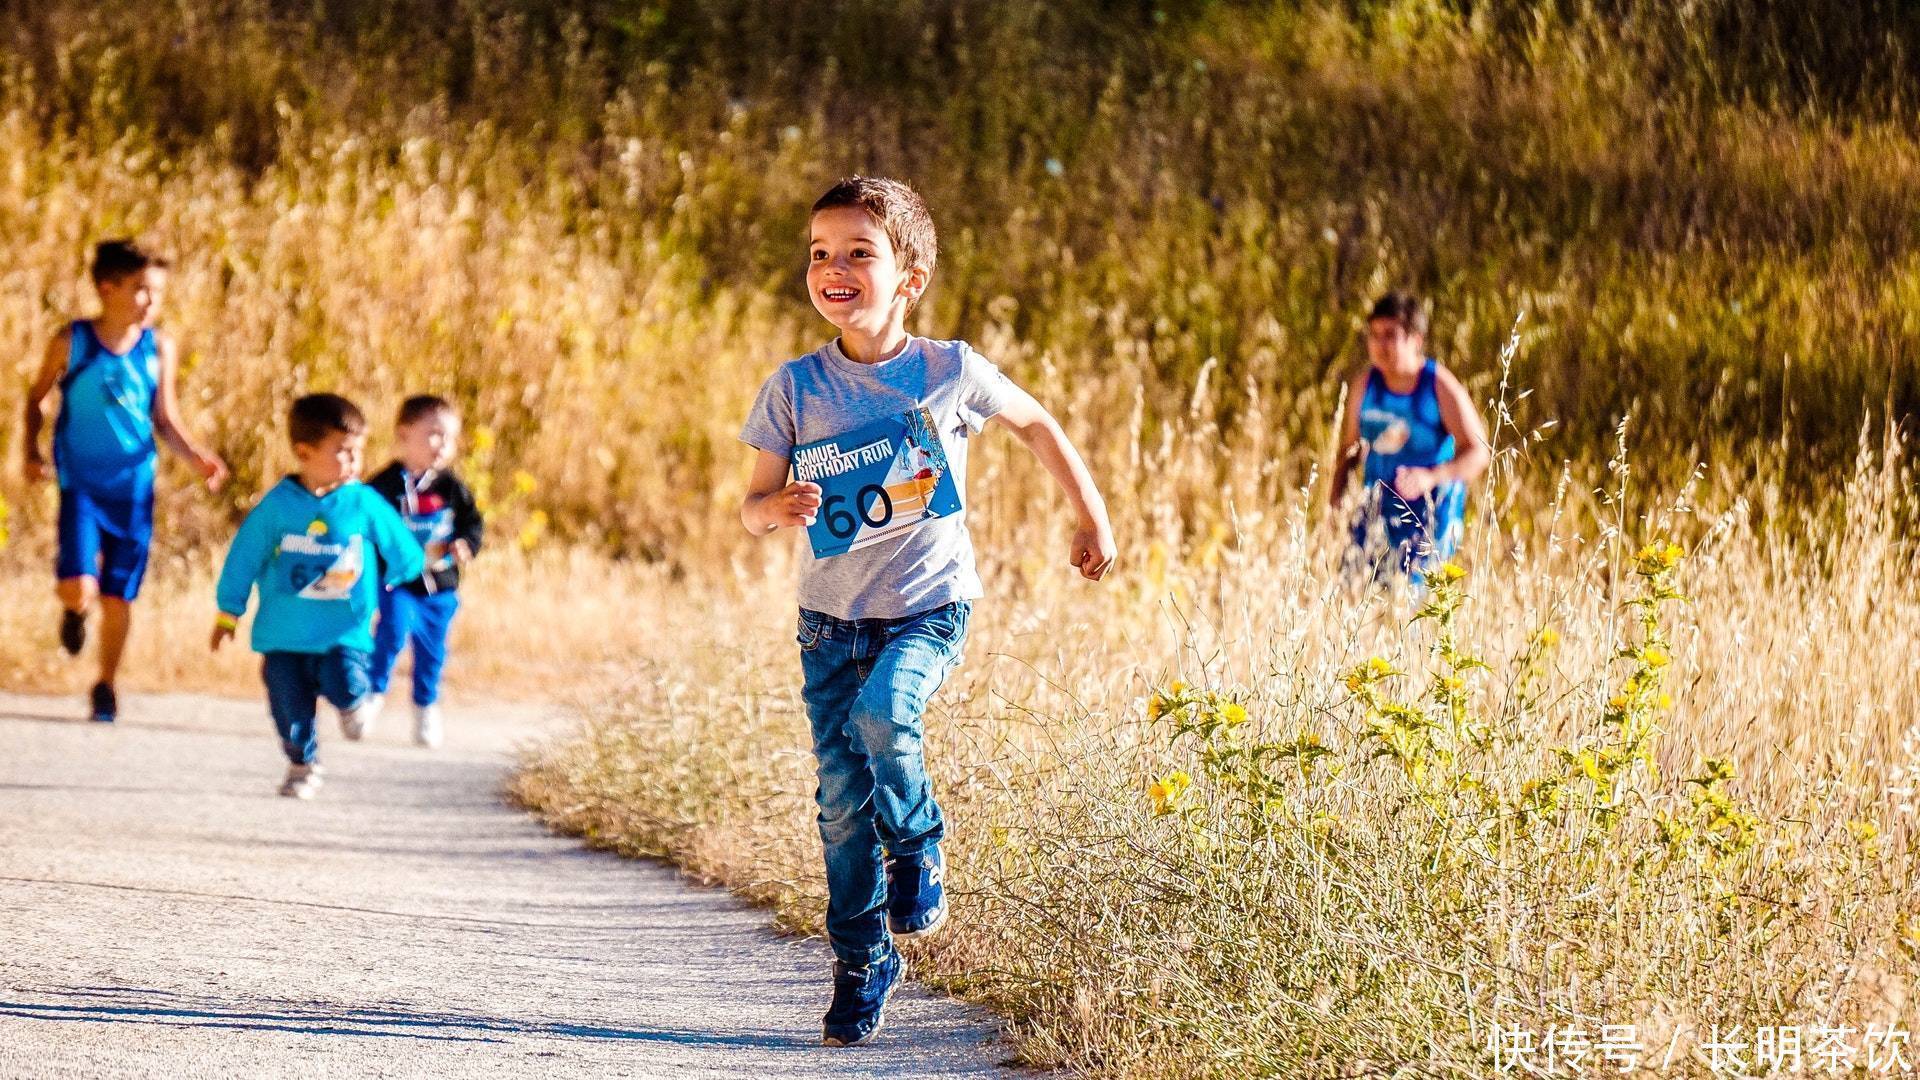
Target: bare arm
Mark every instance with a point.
(1347, 455)
(53, 367)
(1471, 454)
(166, 419)
(1093, 549)
(771, 502)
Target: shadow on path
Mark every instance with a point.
(132, 1005)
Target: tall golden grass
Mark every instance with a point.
(1231, 815)
(584, 222)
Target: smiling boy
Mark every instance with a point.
(885, 600)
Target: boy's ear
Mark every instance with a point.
(918, 278)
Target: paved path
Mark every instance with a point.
(163, 913)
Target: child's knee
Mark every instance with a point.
(79, 592)
(888, 723)
(844, 824)
(348, 679)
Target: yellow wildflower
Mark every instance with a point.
(1167, 791)
(1659, 557)
(1156, 707)
(1367, 674)
(1655, 657)
(1907, 934)
(531, 532)
(1452, 571)
(1665, 702)
(1234, 714)
(1548, 637)
(1617, 702)
(1177, 687)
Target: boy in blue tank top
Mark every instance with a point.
(116, 377)
(1420, 443)
(319, 546)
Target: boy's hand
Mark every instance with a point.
(222, 632)
(461, 551)
(1093, 549)
(797, 504)
(213, 471)
(37, 470)
(1414, 482)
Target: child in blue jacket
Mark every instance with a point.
(306, 547)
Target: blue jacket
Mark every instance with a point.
(319, 585)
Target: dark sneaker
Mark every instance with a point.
(106, 706)
(860, 999)
(73, 632)
(916, 895)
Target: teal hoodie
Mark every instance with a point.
(319, 585)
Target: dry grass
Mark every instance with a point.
(595, 251)
(1297, 913)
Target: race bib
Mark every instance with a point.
(433, 527)
(318, 568)
(877, 482)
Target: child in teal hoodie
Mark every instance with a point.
(320, 546)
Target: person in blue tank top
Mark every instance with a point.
(116, 376)
(1418, 440)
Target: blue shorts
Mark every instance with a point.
(105, 538)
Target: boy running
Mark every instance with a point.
(306, 546)
(420, 484)
(1421, 441)
(881, 622)
(116, 375)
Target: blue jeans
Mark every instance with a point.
(407, 616)
(295, 683)
(867, 682)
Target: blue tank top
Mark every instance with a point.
(1406, 431)
(103, 440)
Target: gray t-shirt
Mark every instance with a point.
(824, 394)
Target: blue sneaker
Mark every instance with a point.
(916, 897)
(860, 999)
(106, 706)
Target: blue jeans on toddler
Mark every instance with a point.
(867, 683)
(295, 683)
(407, 616)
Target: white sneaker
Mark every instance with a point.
(426, 726)
(357, 721)
(302, 782)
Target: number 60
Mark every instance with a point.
(842, 523)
